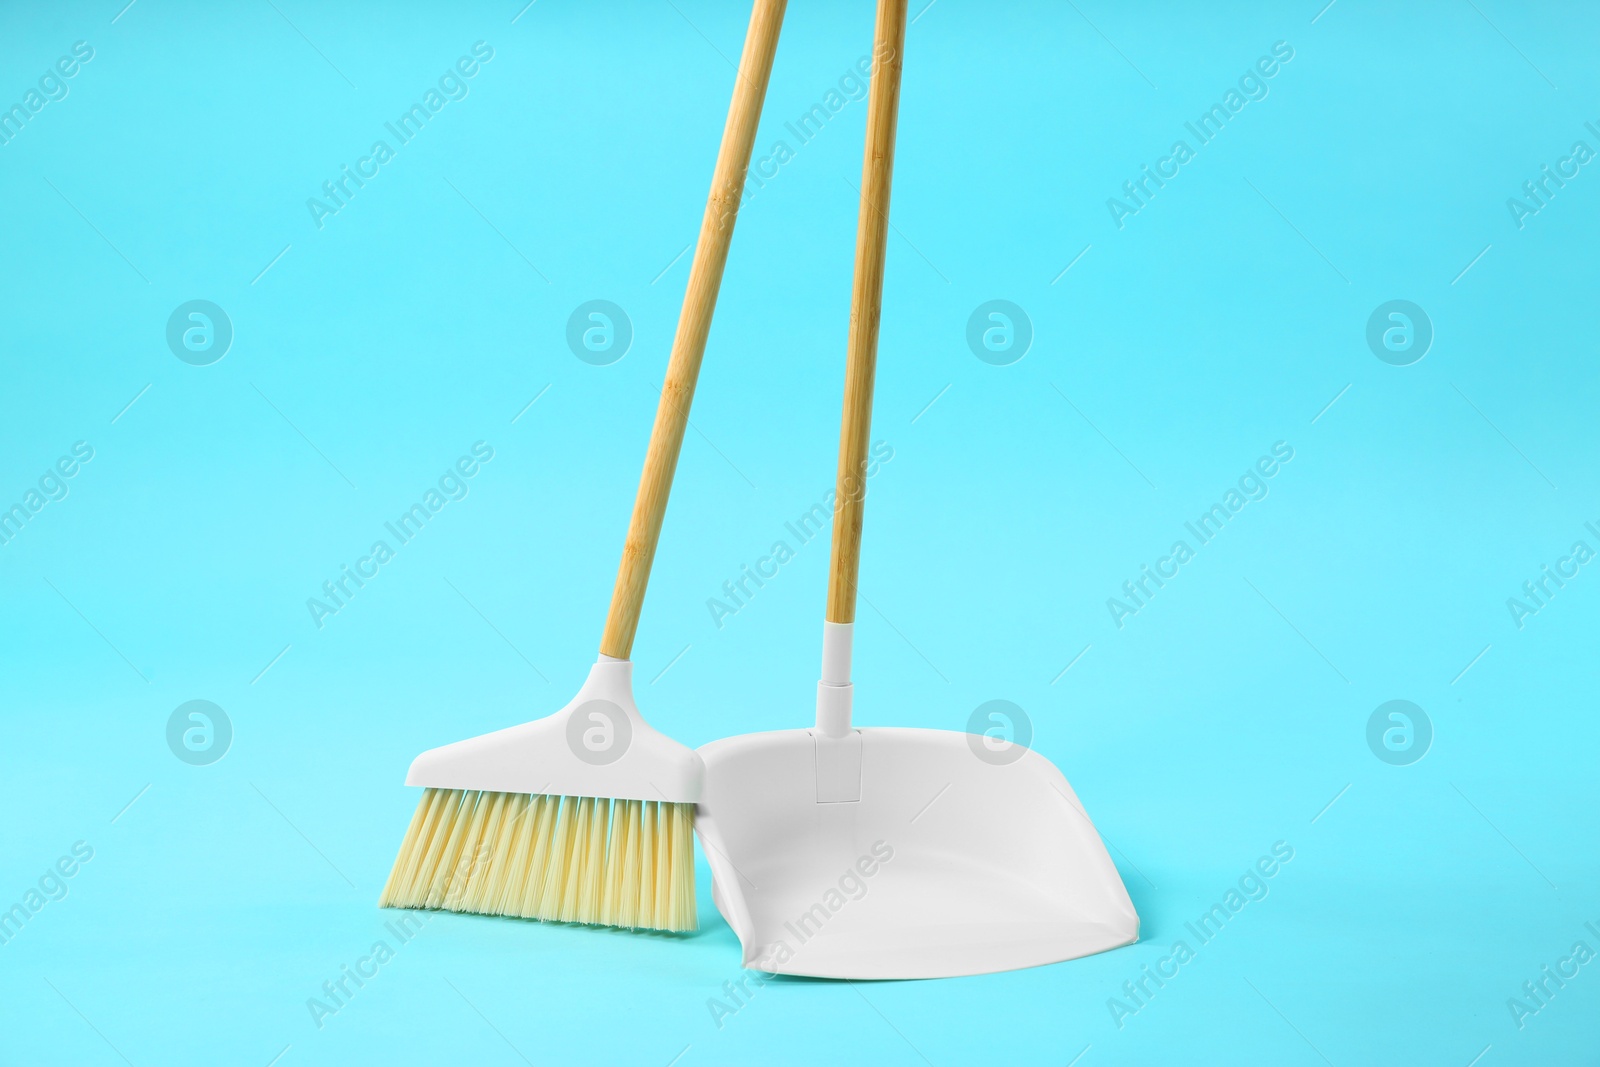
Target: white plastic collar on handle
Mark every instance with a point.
(834, 690)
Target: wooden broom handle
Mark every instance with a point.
(694, 323)
(866, 305)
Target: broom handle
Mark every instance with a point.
(866, 304)
(694, 323)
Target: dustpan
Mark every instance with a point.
(943, 865)
(882, 852)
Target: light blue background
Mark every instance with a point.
(1222, 318)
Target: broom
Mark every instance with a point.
(587, 815)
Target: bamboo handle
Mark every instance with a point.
(866, 305)
(694, 324)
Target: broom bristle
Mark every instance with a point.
(627, 863)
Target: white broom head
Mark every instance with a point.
(584, 816)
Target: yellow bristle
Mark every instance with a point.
(627, 863)
(611, 905)
(578, 858)
(684, 912)
(439, 837)
(424, 840)
(509, 840)
(453, 846)
(476, 870)
(669, 897)
(415, 848)
(594, 850)
(539, 863)
(647, 853)
(663, 866)
(411, 848)
(548, 903)
(628, 898)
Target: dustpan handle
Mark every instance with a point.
(866, 303)
(694, 324)
(834, 691)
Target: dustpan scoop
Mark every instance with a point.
(882, 852)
